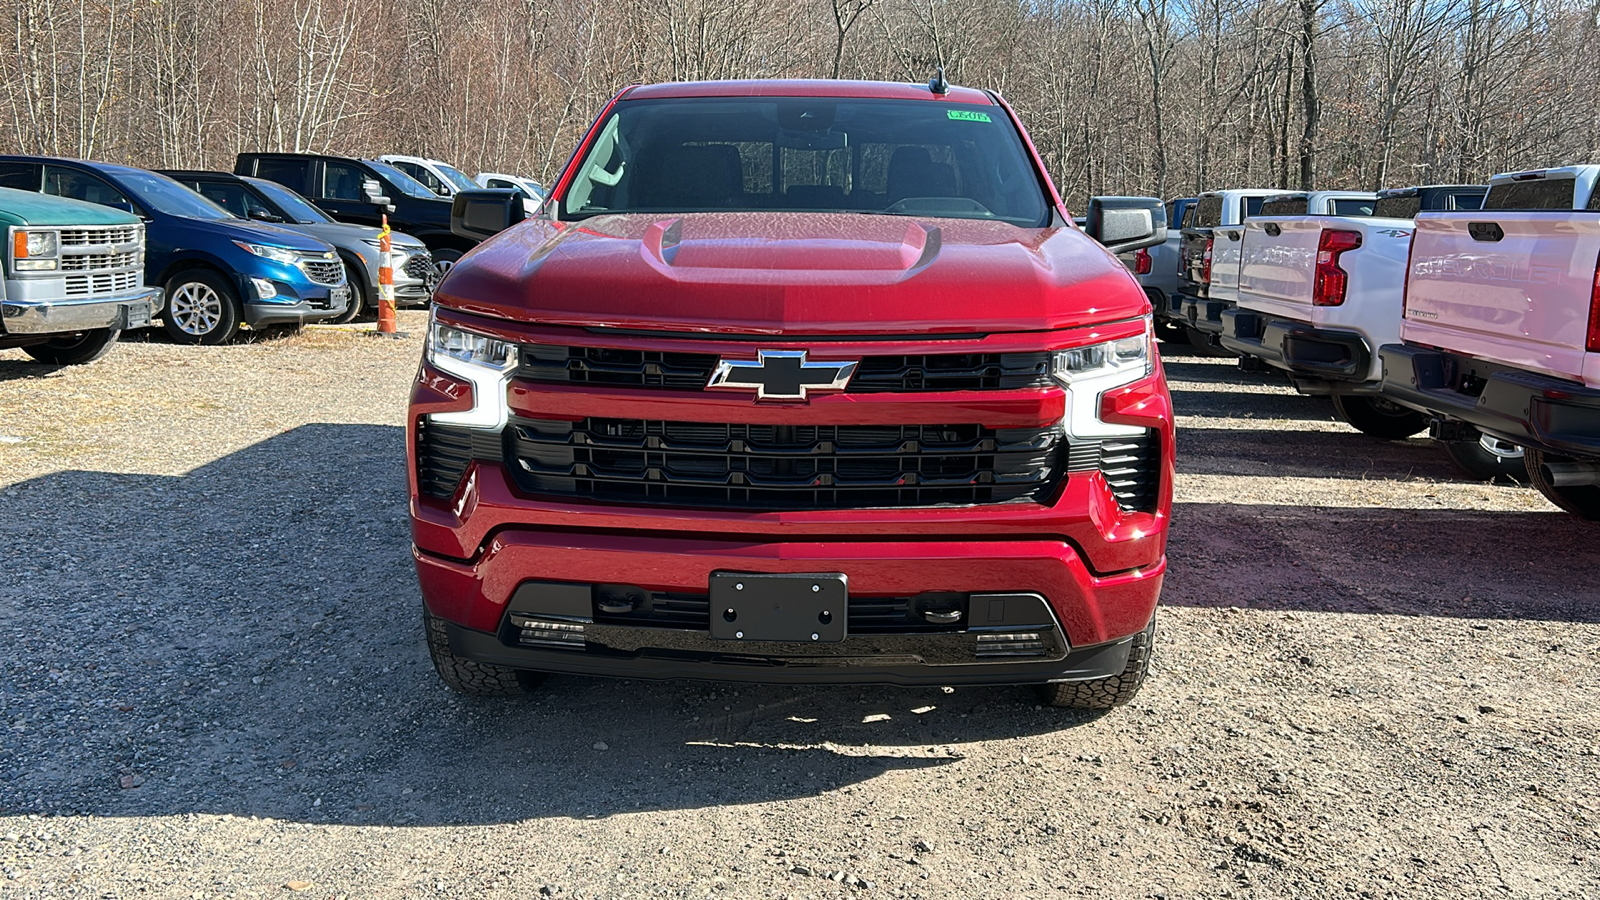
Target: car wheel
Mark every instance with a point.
(1200, 343)
(1488, 459)
(466, 676)
(1582, 500)
(1105, 693)
(1379, 416)
(75, 349)
(202, 308)
(358, 300)
(445, 260)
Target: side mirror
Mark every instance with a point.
(1125, 224)
(261, 215)
(477, 215)
(374, 194)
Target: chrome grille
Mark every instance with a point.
(102, 283)
(116, 234)
(419, 266)
(323, 271)
(80, 262)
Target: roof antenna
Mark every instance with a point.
(937, 84)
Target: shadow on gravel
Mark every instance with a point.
(1410, 562)
(245, 639)
(23, 367)
(1311, 454)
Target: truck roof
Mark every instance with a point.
(806, 87)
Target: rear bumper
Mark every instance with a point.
(63, 316)
(1204, 315)
(1037, 588)
(1171, 307)
(1522, 407)
(1335, 360)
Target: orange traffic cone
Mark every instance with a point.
(386, 320)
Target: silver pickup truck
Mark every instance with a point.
(74, 277)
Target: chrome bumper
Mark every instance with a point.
(134, 309)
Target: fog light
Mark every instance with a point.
(265, 290)
(544, 633)
(1010, 644)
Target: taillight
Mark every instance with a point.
(1331, 281)
(1205, 263)
(1593, 342)
(1141, 262)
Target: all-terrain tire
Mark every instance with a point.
(1481, 465)
(77, 349)
(1379, 416)
(1582, 501)
(465, 676)
(1106, 693)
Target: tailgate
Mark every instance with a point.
(1276, 270)
(1225, 255)
(1507, 287)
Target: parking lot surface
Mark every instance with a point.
(1372, 679)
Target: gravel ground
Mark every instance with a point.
(1372, 679)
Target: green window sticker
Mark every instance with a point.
(963, 115)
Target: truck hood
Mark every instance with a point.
(794, 274)
(29, 208)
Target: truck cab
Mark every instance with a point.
(434, 174)
(364, 192)
(1215, 226)
(1318, 294)
(798, 382)
(73, 277)
(1500, 335)
(218, 271)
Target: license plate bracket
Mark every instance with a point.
(135, 315)
(812, 608)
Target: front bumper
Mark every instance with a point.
(314, 306)
(64, 316)
(1322, 360)
(1515, 405)
(1081, 631)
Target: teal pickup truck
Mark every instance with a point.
(74, 277)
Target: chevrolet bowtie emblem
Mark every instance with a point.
(781, 375)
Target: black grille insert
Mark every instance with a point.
(444, 452)
(784, 466)
(868, 615)
(875, 374)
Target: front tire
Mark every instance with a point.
(1473, 458)
(1582, 501)
(1106, 693)
(75, 350)
(202, 308)
(1379, 416)
(470, 677)
(358, 297)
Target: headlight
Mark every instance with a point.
(1123, 357)
(1088, 372)
(35, 251)
(482, 361)
(276, 254)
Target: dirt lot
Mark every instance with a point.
(1372, 679)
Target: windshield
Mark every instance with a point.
(407, 185)
(456, 177)
(162, 194)
(804, 154)
(297, 208)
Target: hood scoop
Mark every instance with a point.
(813, 247)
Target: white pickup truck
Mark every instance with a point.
(1156, 268)
(1501, 333)
(1212, 247)
(1319, 294)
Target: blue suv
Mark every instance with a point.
(218, 270)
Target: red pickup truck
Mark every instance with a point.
(795, 381)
